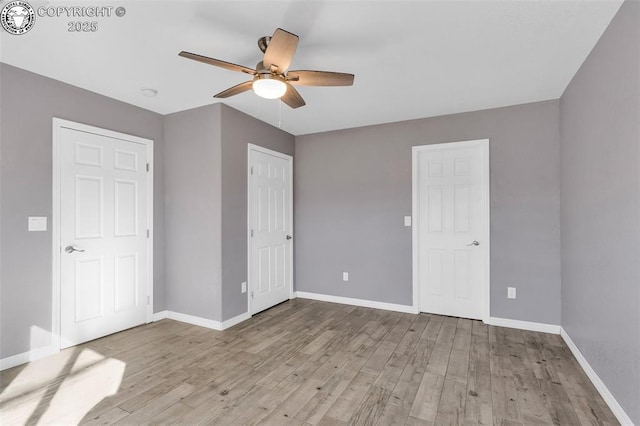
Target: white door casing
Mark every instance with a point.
(451, 228)
(270, 243)
(103, 208)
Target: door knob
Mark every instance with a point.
(474, 243)
(289, 237)
(71, 249)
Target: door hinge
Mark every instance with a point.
(251, 169)
(252, 232)
(252, 294)
(147, 166)
(148, 233)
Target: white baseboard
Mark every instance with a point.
(608, 397)
(357, 302)
(28, 356)
(524, 325)
(235, 320)
(202, 322)
(157, 316)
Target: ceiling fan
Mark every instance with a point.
(270, 77)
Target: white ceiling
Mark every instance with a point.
(411, 59)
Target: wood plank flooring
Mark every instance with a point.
(305, 363)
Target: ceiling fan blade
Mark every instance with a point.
(217, 62)
(292, 97)
(235, 90)
(280, 50)
(319, 78)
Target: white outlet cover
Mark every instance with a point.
(243, 287)
(37, 224)
(407, 221)
(345, 276)
(511, 292)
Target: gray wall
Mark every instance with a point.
(600, 159)
(206, 207)
(192, 211)
(238, 130)
(353, 187)
(28, 104)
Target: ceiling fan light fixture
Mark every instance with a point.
(269, 86)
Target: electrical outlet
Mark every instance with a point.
(345, 276)
(243, 287)
(511, 292)
(407, 221)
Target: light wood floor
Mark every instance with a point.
(308, 362)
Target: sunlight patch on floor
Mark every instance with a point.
(38, 395)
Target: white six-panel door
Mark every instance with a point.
(104, 222)
(452, 228)
(270, 228)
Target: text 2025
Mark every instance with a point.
(82, 27)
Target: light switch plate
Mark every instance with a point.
(511, 292)
(407, 221)
(37, 224)
(243, 287)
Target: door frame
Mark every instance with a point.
(486, 184)
(56, 248)
(289, 159)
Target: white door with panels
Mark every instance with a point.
(270, 228)
(104, 217)
(451, 204)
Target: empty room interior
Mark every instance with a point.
(320, 212)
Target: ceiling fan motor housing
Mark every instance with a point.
(263, 42)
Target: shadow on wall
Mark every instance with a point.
(37, 395)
